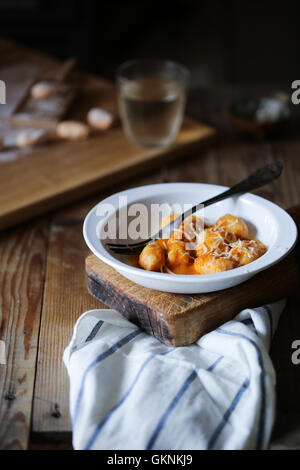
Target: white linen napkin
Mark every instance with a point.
(129, 391)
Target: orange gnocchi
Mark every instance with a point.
(153, 256)
(246, 251)
(209, 264)
(232, 224)
(177, 253)
(213, 241)
(223, 246)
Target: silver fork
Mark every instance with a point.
(257, 179)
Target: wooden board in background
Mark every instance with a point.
(37, 180)
(46, 113)
(56, 174)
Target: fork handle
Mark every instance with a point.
(257, 179)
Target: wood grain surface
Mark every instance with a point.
(210, 167)
(35, 255)
(61, 308)
(22, 270)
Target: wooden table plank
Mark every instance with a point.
(65, 298)
(22, 269)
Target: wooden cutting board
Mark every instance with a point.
(180, 320)
(58, 173)
(46, 113)
(39, 179)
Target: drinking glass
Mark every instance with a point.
(151, 97)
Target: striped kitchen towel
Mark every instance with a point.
(129, 391)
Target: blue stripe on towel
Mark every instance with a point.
(214, 364)
(269, 312)
(94, 331)
(96, 361)
(227, 414)
(261, 424)
(175, 400)
(122, 400)
(172, 405)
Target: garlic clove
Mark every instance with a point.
(99, 119)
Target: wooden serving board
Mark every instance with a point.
(177, 319)
(181, 319)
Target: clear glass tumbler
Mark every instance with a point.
(151, 96)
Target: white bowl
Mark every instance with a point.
(266, 221)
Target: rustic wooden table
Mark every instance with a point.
(43, 292)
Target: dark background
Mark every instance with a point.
(221, 41)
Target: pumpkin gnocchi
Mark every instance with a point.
(215, 248)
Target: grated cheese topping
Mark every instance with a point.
(217, 241)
